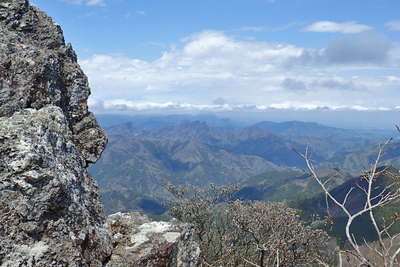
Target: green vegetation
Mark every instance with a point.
(133, 171)
(237, 233)
(142, 154)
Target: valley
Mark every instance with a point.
(145, 153)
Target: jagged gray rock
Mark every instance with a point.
(49, 206)
(50, 213)
(38, 69)
(140, 242)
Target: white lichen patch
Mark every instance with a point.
(148, 229)
(171, 236)
(38, 249)
(27, 255)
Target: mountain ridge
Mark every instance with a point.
(194, 152)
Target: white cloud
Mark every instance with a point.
(393, 78)
(368, 47)
(393, 25)
(247, 75)
(87, 2)
(344, 27)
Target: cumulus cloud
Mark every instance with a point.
(219, 101)
(337, 83)
(213, 71)
(361, 50)
(322, 84)
(344, 27)
(293, 84)
(393, 25)
(364, 48)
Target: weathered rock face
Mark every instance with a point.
(49, 206)
(50, 214)
(38, 69)
(140, 242)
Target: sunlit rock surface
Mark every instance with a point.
(50, 211)
(50, 214)
(140, 242)
(38, 69)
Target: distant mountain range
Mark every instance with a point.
(288, 185)
(138, 168)
(145, 152)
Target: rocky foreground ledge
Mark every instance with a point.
(50, 213)
(140, 242)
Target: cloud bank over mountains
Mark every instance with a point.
(355, 71)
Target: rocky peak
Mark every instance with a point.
(50, 212)
(38, 69)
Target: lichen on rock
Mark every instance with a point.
(141, 242)
(50, 214)
(38, 69)
(50, 211)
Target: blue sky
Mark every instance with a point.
(236, 55)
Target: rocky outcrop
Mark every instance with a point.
(140, 242)
(50, 213)
(38, 69)
(49, 206)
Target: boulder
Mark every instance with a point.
(141, 242)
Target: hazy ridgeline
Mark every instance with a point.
(149, 157)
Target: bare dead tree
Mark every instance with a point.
(385, 253)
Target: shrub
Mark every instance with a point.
(237, 233)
